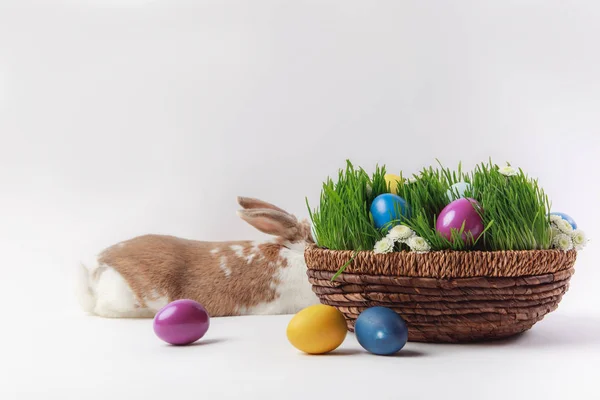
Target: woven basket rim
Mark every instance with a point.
(443, 264)
(315, 247)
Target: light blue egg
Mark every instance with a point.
(566, 218)
(458, 188)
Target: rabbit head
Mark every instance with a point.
(272, 220)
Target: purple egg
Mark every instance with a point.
(181, 322)
(457, 212)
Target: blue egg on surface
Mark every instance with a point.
(566, 218)
(458, 188)
(381, 331)
(388, 207)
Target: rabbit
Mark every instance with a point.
(137, 277)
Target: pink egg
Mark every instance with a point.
(458, 212)
(181, 322)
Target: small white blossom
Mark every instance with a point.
(385, 245)
(579, 239)
(554, 218)
(554, 231)
(507, 170)
(564, 226)
(562, 242)
(400, 233)
(411, 179)
(418, 244)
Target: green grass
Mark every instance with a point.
(343, 221)
(514, 212)
(516, 205)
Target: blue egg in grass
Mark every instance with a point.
(457, 191)
(388, 207)
(566, 218)
(381, 331)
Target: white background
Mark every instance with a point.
(119, 118)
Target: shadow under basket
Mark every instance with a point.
(446, 296)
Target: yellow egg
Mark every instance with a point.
(392, 180)
(317, 329)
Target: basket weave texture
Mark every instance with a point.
(446, 296)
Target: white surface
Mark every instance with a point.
(249, 357)
(121, 118)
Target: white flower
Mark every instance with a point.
(554, 218)
(554, 231)
(578, 238)
(399, 233)
(411, 179)
(418, 244)
(507, 170)
(562, 242)
(564, 226)
(385, 245)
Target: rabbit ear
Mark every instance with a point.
(249, 203)
(273, 222)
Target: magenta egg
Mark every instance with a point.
(458, 212)
(181, 322)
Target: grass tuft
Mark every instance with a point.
(343, 220)
(516, 205)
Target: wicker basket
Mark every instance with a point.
(446, 296)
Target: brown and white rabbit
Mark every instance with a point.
(137, 277)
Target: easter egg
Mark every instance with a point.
(391, 181)
(455, 214)
(566, 218)
(317, 329)
(388, 207)
(381, 331)
(181, 322)
(459, 189)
